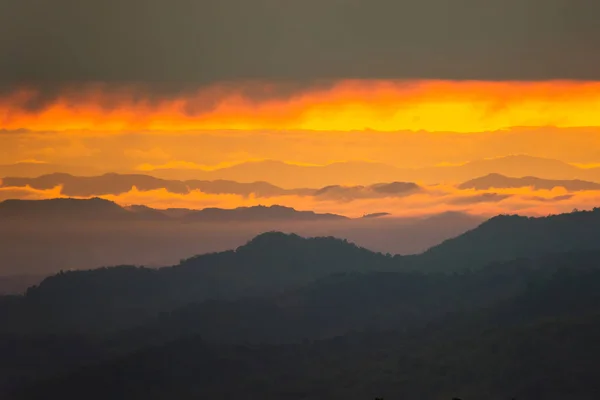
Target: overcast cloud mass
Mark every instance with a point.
(185, 42)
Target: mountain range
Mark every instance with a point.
(367, 173)
(498, 181)
(289, 317)
(286, 177)
(44, 236)
(272, 262)
(105, 210)
(115, 184)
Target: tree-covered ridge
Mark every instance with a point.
(538, 344)
(286, 317)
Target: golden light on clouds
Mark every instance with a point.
(430, 200)
(449, 106)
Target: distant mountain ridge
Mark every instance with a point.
(257, 213)
(367, 173)
(498, 181)
(105, 210)
(272, 178)
(116, 184)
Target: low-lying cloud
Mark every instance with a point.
(424, 201)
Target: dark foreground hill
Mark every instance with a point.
(538, 342)
(109, 298)
(512, 312)
(507, 237)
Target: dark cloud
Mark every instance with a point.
(187, 43)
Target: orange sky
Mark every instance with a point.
(93, 129)
(349, 105)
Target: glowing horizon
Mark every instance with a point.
(386, 106)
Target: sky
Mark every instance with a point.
(134, 86)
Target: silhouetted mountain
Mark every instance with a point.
(148, 213)
(257, 213)
(292, 176)
(395, 188)
(379, 190)
(128, 295)
(111, 183)
(520, 165)
(500, 182)
(507, 237)
(86, 186)
(115, 184)
(100, 209)
(366, 173)
(532, 336)
(81, 209)
(259, 189)
(513, 165)
(177, 213)
(376, 215)
(274, 261)
(275, 178)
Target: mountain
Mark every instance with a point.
(105, 210)
(272, 262)
(72, 209)
(366, 173)
(526, 329)
(338, 180)
(506, 237)
(258, 189)
(498, 181)
(115, 184)
(123, 295)
(379, 190)
(292, 176)
(257, 213)
(288, 317)
(148, 213)
(376, 215)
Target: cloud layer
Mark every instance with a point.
(427, 200)
(346, 105)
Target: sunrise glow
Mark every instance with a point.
(348, 105)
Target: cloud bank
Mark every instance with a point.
(206, 41)
(428, 200)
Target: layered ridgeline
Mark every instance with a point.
(519, 321)
(283, 177)
(498, 181)
(116, 184)
(42, 237)
(104, 210)
(540, 342)
(273, 262)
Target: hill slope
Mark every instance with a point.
(507, 237)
